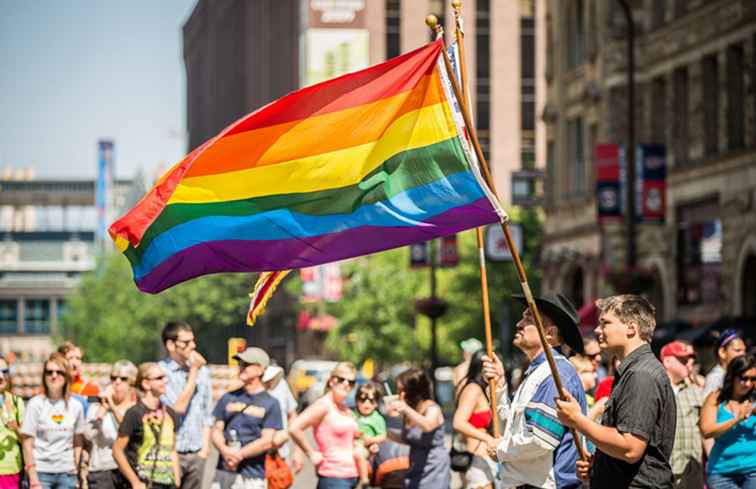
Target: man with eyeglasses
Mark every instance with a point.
(245, 422)
(687, 452)
(189, 393)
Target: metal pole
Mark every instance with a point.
(434, 345)
(631, 257)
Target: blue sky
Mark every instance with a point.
(75, 71)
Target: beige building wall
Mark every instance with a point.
(505, 95)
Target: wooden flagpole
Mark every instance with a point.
(460, 36)
(432, 22)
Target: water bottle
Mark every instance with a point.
(234, 443)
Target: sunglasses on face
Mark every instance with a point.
(52, 373)
(185, 342)
(4, 371)
(366, 399)
(746, 378)
(122, 378)
(343, 380)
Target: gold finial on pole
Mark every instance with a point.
(456, 4)
(432, 22)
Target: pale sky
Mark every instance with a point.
(75, 71)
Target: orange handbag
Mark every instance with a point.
(277, 471)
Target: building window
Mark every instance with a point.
(576, 35)
(735, 98)
(711, 104)
(660, 11)
(393, 28)
(483, 73)
(659, 101)
(527, 73)
(699, 254)
(681, 116)
(37, 316)
(680, 7)
(576, 155)
(8, 316)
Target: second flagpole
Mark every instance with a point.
(432, 22)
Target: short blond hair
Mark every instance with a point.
(631, 307)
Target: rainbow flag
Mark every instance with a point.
(365, 162)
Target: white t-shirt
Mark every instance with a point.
(53, 424)
(286, 401)
(102, 433)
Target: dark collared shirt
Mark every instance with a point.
(642, 403)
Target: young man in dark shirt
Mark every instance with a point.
(637, 431)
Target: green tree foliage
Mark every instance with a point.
(111, 319)
(377, 317)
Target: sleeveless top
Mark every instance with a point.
(335, 436)
(481, 419)
(429, 459)
(734, 453)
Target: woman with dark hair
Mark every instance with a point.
(53, 430)
(730, 345)
(472, 419)
(423, 431)
(727, 416)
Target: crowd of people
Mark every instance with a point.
(637, 421)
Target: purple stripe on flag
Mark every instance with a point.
(270, 255)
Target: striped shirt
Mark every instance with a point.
(536, 448)
(190, 435)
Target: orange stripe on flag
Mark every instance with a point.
(264, 287)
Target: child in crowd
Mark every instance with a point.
(371, 426)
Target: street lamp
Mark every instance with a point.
(631, 256)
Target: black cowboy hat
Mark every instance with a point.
(563, 314)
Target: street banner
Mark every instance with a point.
(420, 255)
(104, 189)
(608, 194)
(366, 162)
(448, 251)
(652, 173)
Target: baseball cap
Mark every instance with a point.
(471, 345)
(254, 355)
(677, 349)
(271, 373)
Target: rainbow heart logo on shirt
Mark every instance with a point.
(58, 418)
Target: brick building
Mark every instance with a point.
(696, 94)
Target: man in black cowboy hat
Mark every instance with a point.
(536, 449)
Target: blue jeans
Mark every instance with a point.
(57, 481)
(731, 481)
(337, 483)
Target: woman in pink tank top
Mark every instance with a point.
(335, 431)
